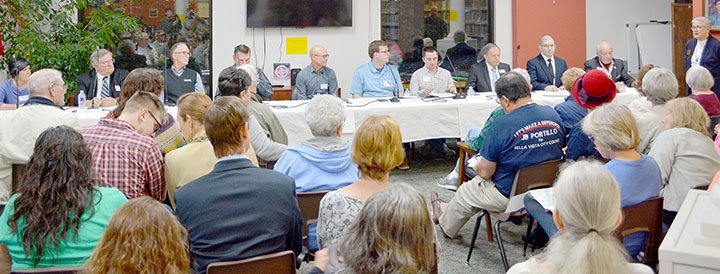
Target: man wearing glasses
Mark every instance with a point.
(315, 78)
(546, 69)
(101, 84)
(376, 78)
(125, 156)
(179, 79)
(43, 110)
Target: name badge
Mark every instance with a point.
(187, 80)
(117, 87)
(23, 98)
(324, 86)
(501, 71)
(426, 79)
(386, 84)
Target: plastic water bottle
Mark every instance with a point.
(471, 92)
(81, 99)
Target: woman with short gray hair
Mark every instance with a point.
(700, 81)
(702, 50)
(659, 86)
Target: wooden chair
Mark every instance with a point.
(276, 263)
(645, 216)
(309, 203)
(528, 178)
(18, 172)
(52, 270)
(465, 151)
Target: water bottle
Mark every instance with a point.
(471, 92)
(81, 99)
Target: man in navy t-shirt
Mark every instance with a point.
(527, 135)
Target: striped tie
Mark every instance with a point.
(105, 91)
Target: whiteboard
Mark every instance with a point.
(649, 43)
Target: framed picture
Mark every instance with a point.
(712, 11)
(153, 13)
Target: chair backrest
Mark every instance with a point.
(533, 177)
(18, 172)
(645, 216)
(309, 204)
(276, 263)
(52, 270)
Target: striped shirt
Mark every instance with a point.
(125, 159)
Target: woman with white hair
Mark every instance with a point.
(700, 81)
(684, 152)
(659, 86)
(587, 200)
(267, 118)
(703, 49)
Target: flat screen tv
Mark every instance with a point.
(299, 13)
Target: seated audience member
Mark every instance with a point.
(227, 212)
(659, 86)
(485, 73)
(264, 115)
(315, 78)
(60, 210)
(700, 81)
(142, 237)
(587, 200)
(570, 112)
(589, 91)
(412, 60)
(102, 83)
(128, 59)
(614, 68)
(684, 152)
(180, 79)
(394, 225)
(513, 142)
(241, 56)
(168, 136)
(22, 126)
(237, 83)
(377, 149)
(124, 154)
(197, 157)
(322, 162)
(546, 69)
(144, 48)
(614, 132)
(462, 56)
(377, 78)
(14, 91)
(641, 105)
(476, 138)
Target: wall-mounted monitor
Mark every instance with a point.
(299, 13)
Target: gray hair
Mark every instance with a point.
(96, 55)
(487, 48)
(587, 199)
(252, 71)
(660, 86)
(613, 126)
(40, 81)
(524, 74)
(702, 20)
(325, 114)
(699, 78)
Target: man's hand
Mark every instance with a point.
(427, 90)
(94, 102)
(108, 102)
(322, 260)
(551, 88)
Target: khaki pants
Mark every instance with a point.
(470, 198)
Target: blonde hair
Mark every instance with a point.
(377, 147)
(613, 126)
(193, 104)
(687, 113)
(587, 199)
(142, 237)
(570, 75)
(391, 234)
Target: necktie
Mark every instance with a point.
(494, 77)
(105, 91)
(550, 69)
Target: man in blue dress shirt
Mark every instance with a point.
(376, 78)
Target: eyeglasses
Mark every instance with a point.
(697, 27)
(323, 56)
(63, 85)
(108, 62)
(384, 51)
(182, 52)
(157, 124)
(548, 46)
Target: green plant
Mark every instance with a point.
(48, 34)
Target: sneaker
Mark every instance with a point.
(448, 153)
(449, 182)
(404, 165)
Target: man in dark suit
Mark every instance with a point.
(461, 55)
(613, 67)
(546, 69)
(237, 211)
(703, 50)
(101, 84)
(484, 73)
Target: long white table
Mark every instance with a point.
(418, 119)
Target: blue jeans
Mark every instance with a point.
(436, 144)
(542, 216)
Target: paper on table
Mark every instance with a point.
(545, 197)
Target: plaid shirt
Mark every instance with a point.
(125, 159)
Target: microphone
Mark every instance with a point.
(517, 57)
(395, 98)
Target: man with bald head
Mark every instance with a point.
(315, 78)
(613, 67)
(22, 126)
(546, 69)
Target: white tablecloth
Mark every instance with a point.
(419, 120)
